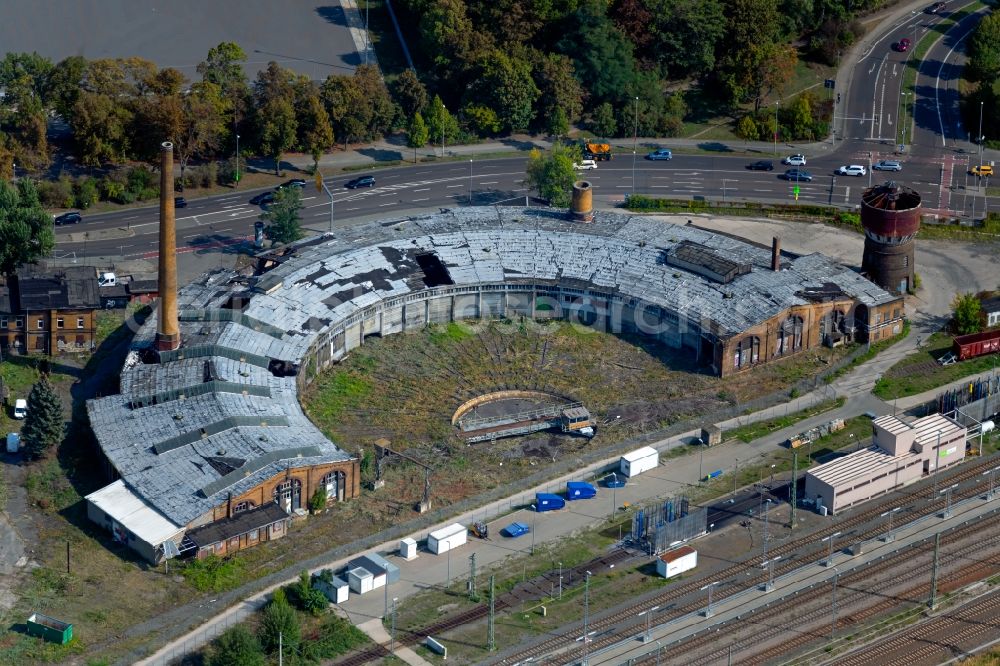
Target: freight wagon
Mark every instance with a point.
(976, 344)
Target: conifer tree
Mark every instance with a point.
(43, 425)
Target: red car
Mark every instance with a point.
(903, 45)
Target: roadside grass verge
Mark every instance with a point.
(752, 431)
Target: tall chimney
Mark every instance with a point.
(775, 254)
(168, 334)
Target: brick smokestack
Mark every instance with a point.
(168, 334)
(775, 254)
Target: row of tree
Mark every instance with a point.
(984, 69)
(122, 109)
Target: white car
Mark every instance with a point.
(585, 165)
(795, 160)
(852, 170)
(20, 408)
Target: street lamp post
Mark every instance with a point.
(237, 160)
(586, 616)
(708, 609)
(829, 560)
(701, 460)
(635, 142)
(649, 616)
(905, 121)
(385, 613)
(992, 474)
(392, 635)
(980, 136)
(736, 469)
(470, 182)
(533, 521)
(560, 580)
(888, 533)
(769, 565)
(947, 499)
(833, 604)
(776, 102)
(767, 510)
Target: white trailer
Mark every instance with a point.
(446, 538)
(677, 561)
(639, 461)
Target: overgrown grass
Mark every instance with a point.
(752, 431)
(920, 371)
(441, 335)
(873, 351)
(48, 486)
(214, 574)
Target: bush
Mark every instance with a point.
(306, 598)
(336, 636)
(85, 192)
(140, 178)
(56, 194)
(213, 574)
(747, 128)
(148, 193)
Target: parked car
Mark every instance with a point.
(107, 280)
(982, 170)
(585, 165)
(294, 182)
(936, 8)
(72, 217)
(761, 165)
(887, 165)
(797, 175)
(660, 154)
(795, 160)
(363, 181)
(263, 199)
(20, 408)
(180, 202)
(903, 45)
(852, 170)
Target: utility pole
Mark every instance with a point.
(472, 577)
(392, 634)
(767, 511)
(491, 639)
(791, 492)
(934, 571)
(586, 618)
(833, 604)
(281, 660)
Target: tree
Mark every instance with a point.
(236, 647)
(279, 619)
(409, 93)
(26, 233)
(558, 88)
(315, 130)
(64, 85)
(968, 313)
(557, 124)
(552, 175)
(685, 34)
(307, 598)
(440, 123)
(984, 50)
(282, 216)
(224, 67)
(602, 55)
(481, 119)
(603, 122)
(100, 128)
(504, 84)
(417, 134)
(203, 123)
(276, 126)
(44, 425)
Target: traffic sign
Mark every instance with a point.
(830, 83)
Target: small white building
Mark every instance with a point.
(639, 461)
(336, 589)
(363, 581)
(442, 540)
(676, 561)
(408, 549)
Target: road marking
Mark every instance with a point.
(523, 189)
(425, 189)
(489, 182)
(348, 209)
(937, 82)
(307, 198)
(624, 187)
(847, 194)
(424, 199)
(756, 190)
(451, 186)
(387, 204)
(131, 217)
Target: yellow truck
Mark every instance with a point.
(596, 151)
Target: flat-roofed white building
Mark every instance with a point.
(901, 453)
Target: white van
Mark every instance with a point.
(107, 280)
(20, 408)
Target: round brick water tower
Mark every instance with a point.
(890, 215)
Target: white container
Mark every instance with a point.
(446, 538)
(677, 561)
(639, 461)
(408, 549)
(361, 580)
(13, 442)
(337, 590)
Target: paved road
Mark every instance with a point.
(309, 37)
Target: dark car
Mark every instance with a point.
(797, 175)
(903, 45)
(68, 218)
(936, 8)
(263, 198)
(294, 182)
(180, 202)
(363, 181)
(762, 165)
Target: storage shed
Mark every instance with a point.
(676, 561)
(363, 581)
(336, 589)
(376, 564)
(408, 549)
(639, 461)
(446, 538)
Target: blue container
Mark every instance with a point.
(548, 502)
(578, 490)
(515, 530)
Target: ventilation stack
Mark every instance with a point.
(582, 206)
(890, 216)
(775, 254)
(168, 333)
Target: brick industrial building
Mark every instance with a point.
(49, 312)
(205, 431)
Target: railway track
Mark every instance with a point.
(626, 616)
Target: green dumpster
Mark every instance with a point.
(50, 628)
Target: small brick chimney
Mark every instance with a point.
(776, 254)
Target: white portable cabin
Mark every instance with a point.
(13, 442)
(639, 461)
(446, 538)
(363, 581)
(677, 561)
(337, 590)
(408, 549)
